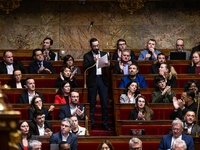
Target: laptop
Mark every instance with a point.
(178, 56)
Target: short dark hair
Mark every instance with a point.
(35, 50)
(159, 78)
(4, 53)
(16, 69)
(134, 65)
(64, 67)
(74, 91)
(120, 40)
(48, 38)
(93, 40)
(151, 40)
(63, 142)
(161, 54)
(70, 116)
(37, 112)
(188, 84)
(190, 93)
(28, 79)
(180, 39)
(67, 57)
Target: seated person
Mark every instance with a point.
(130, 93)
(133, 70)
(121, 45)
(194, 67)
(107, 145)
(38, 126)
(76, 129)
(37, 103)
(163, 94)
(8, 65)
(189, 123)
(65, 74)
(181, 106)
(141, 110)
(151, 52)
(26, 97)
(122, 66)
(62, 95)
(179, 48)
(64, 146)
(34, 145)
(25, 135)
(39, 66)
(195, 49)
(65, 135)
(169, 73)
(17, 81)
(194, 85)
(73, 108)
(179, 145)
(154, 69)
(69, 60)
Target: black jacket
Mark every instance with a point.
(16, 65)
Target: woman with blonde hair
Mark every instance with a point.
(141, 110)
(194, 67)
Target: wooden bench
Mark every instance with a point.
(49, 94)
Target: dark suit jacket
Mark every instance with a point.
(88, 62)
(33, 129)
(20, 144)
(154, 69)
(52, 55)
(48, 116)
(12, 83)
(33, 67)
(193, 131)
(117, 68)
(16, 65)
(23, 98)
(115, 55)
(191, 69)
(72, 140)
(166, 142)
(65, 112)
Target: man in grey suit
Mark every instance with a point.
(189, 119)
(179, 48)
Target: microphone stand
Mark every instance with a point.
(197, 114)
(85, 86)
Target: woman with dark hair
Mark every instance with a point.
(67, 75)
(130, 93)
(69, 60)
(26, 136)
(169, 73)
(194, 67)
(192, 85)
(105, 145)
(37, 103)
(141, 110)
(62, 95)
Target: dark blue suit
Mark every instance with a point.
(115, 56)
(72, 140)
(139, 79)
(33, 68)
(23, 99)
(65, 112)
(166, 142)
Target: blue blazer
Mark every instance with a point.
(65, 112)
(23, 98)
(166, 142)
(72, 140)
(139, 79)
(144, 52)
(33, 67)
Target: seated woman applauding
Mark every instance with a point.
(67, 75)
(69, 60)
(194, 67)
(141, 110)
(37, 103)
(62, 95)
(130, 93)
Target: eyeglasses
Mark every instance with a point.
(175, 129)
(137, 148)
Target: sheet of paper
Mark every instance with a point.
(102, 60)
